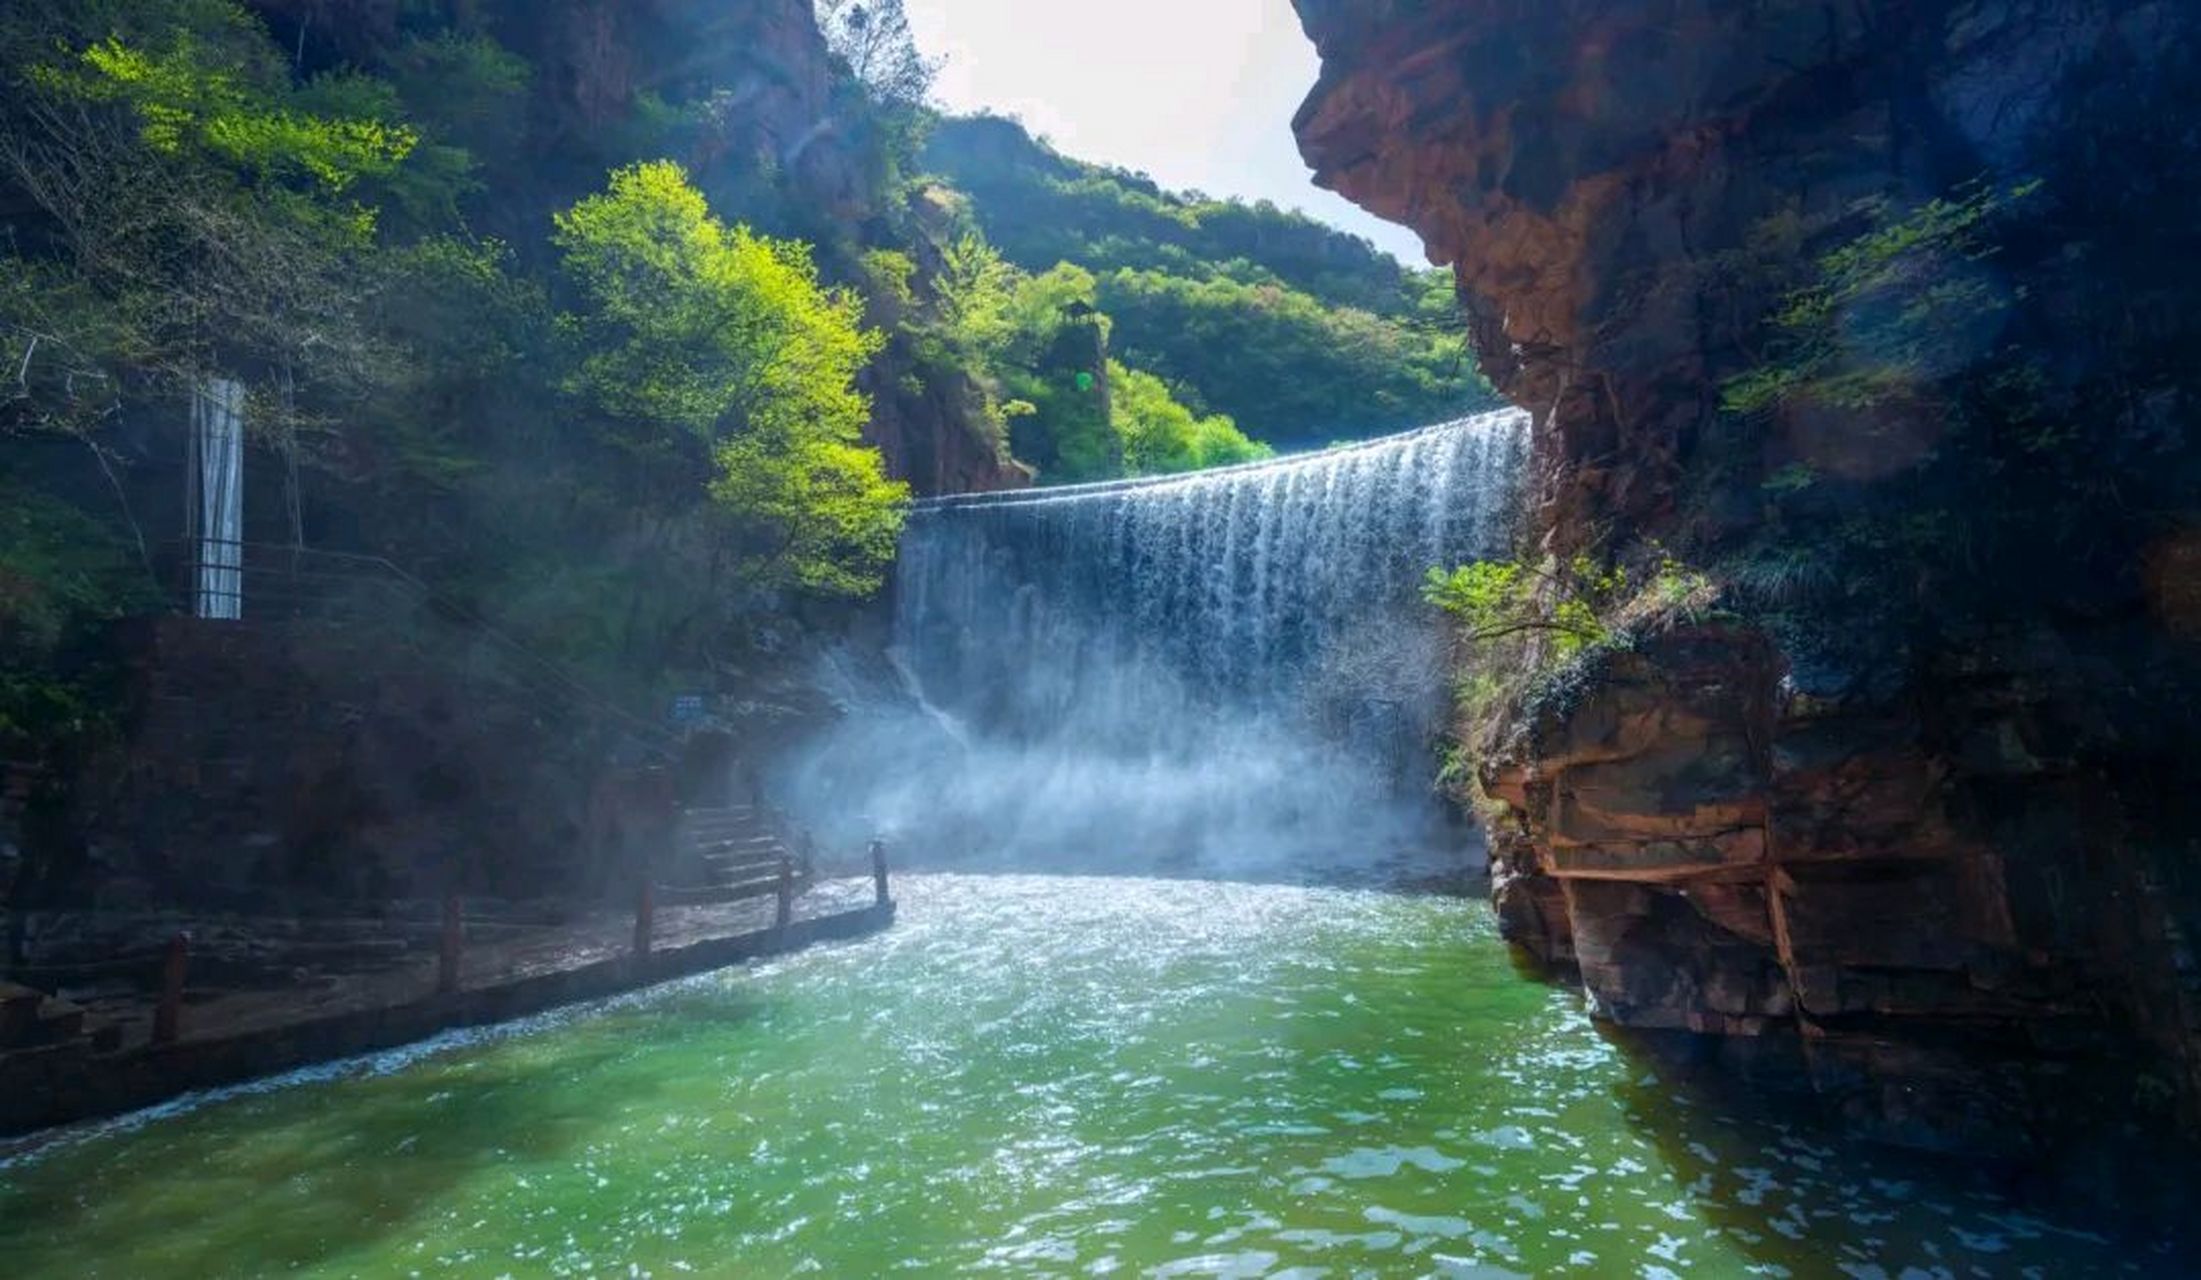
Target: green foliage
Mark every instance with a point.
(1300, 371)
(211, 210)
(1046, 304)
(1482, 595)
(820, 513)
(1571, 607)
(1297, 332)
(701, 332)
(1497, 599)
(189, 95)
(1525, 629)
(976, 301)
(1879, 320)
(692, 322)
(1160, 436)
(1042, 207)
(466, 90)
(889, 274)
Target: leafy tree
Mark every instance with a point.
(200, 210)
(1282, 363)
(1159, 436)
(874, 39)
(701, 337)
(977, 301)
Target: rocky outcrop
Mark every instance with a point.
(762, 64)
(1922, 834)
(777, 136)
(1716, 851)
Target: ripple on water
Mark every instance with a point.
(1026, 1077)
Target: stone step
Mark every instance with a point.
(739, 875)
(18, 1013)
(59, 1020)
(724, 844)
(743, 858)
(738, 891)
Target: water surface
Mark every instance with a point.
(1028, 1076)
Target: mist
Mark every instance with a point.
(1222, 675)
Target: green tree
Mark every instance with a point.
(873, 37)
(1282, 363)
(204, 212)
(699, 336)
(1160, 436)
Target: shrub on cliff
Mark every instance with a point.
(1524, 626)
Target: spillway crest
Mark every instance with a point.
(1225, 671)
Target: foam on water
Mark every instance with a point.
(1031, 1076)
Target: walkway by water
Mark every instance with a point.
(1029, 1076)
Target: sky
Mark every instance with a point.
(1198, 93)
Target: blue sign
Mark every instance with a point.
(688, 708)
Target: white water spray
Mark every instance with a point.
(1226, 673)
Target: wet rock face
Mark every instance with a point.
(1715, 853)
(1945, 877)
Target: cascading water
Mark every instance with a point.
(1222, 673)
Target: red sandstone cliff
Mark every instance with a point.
(1950, 877)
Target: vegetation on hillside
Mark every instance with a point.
(603, 362)
(627, 432)
(1302, 334)
(697, 335)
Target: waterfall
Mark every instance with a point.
(1227, 671)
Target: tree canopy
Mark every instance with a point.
(712, 332)
(1302, 334)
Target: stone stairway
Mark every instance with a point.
(30, 1019)
(730, 854)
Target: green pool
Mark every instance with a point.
(1028, 1076)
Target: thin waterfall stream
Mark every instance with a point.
(1223, 673)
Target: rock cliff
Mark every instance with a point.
(1916, 812)
(781, 143)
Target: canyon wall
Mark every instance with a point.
(1911, 807)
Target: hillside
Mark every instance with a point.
(1302, 334)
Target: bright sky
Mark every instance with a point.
(1198, 93)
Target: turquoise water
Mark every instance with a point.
(1027, 1076)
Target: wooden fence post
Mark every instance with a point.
(879, 871)
(168, 1014)
(786, 914)
(645, 915)
(452, 943)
